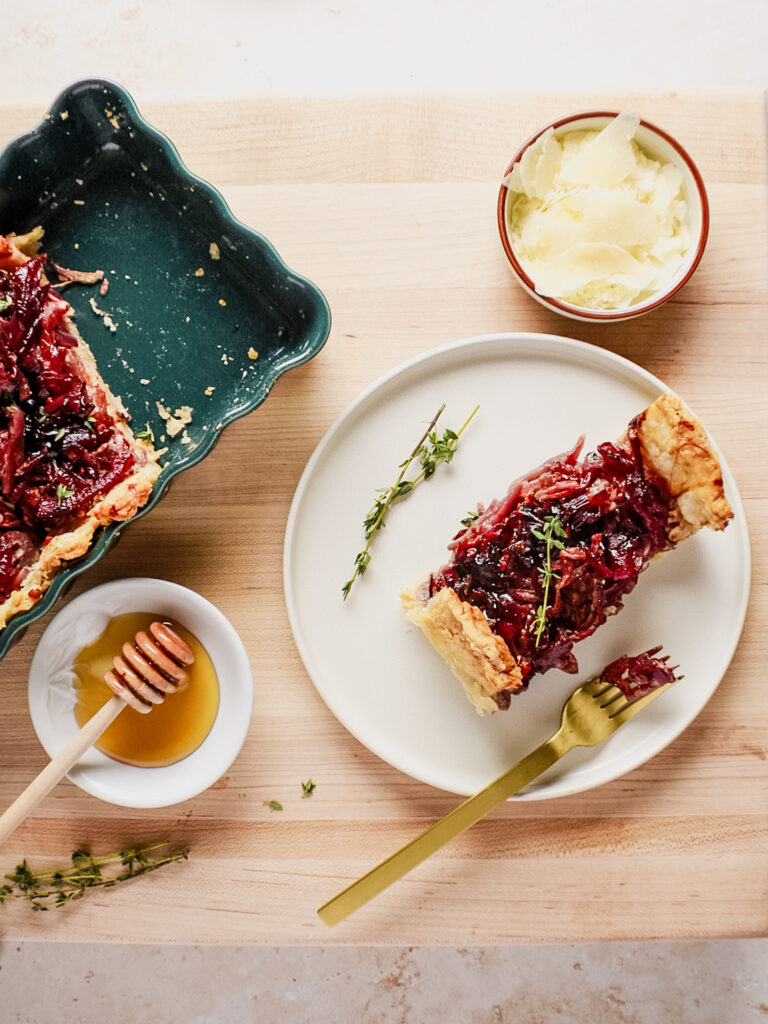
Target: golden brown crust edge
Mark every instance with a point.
(124, 500)
(460, 633)
(676, 447)
(121, 502)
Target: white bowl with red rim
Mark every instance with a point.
(658, 145)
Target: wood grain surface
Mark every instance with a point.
(389, 206)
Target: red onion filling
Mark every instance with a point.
(614, 512)
(59, 449)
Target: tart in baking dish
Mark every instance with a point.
(69, 462)
(587, 524)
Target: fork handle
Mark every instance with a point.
(437, 835)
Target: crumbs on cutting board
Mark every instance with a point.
(106, 318)
(199, 272)
(252, 353)
(209, 390)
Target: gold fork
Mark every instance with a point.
(590, 715)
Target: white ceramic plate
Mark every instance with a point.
(52, 698)
(378, 675)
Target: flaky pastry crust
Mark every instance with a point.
(676, 447)
(460, 633)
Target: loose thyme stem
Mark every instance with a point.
(439, 450)
(404, 469)
(56, 888)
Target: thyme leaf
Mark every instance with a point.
(273, 805)
(146, 435)
(62, 492)
(431, 449)
(308, 788)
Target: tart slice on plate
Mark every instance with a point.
(69, 461)
(543, 567)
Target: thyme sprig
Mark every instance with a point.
(430, 451)
(46, 889)
(551, 532)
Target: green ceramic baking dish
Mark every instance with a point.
(195, 293)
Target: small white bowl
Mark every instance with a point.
(659, 146)
(52, 698)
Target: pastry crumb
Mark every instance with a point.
(143, 166)
(79, 181)
(186, 319)
(144, 380)
(64, 115)
(106, 318)
(114, 122)
(199, 272)
(76, 245)
(252, 353)
(209, 390)
(174, 424)
(214, 250)
(222, 302)
(79, 202)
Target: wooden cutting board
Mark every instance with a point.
(389, 205)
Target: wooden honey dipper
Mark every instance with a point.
(152, 665)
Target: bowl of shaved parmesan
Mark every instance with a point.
(602, 216)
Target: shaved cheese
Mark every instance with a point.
(593, 220)
(608, 158)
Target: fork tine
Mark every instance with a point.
(598, 688)
(594, 686)
(625, 713)
(607, 697)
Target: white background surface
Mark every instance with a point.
(229, 48)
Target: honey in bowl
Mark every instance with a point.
(174, 729)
